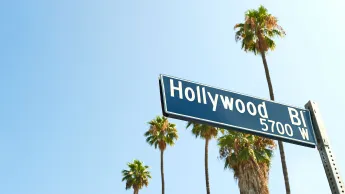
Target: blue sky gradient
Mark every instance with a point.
(79, 82)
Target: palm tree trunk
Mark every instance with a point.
(136, 190)
(249, 178)
(162, 171)
(206, 167)
(285, 172)
(268, 77)
(280, 143)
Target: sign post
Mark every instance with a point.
(191, 101)
(327, 156)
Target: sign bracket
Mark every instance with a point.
(327, 156)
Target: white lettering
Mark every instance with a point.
(272, 126)
(262, 122)
(262, 110)
(294, 116)
(288, 130)
(179, 88)
(243, 108)
(188, 91)
(304, 133)
(214, 101)
(303, 121)
(280, 128)
(252, 111)
(198, 94)
(228, 104)
(204, 95)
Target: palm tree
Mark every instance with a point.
(161, 134)
(249, 157)
(205, 132)
(136, 176)
(256, 35)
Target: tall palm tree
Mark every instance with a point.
(256, 35)
(249, 157)
(161, 134)
(205, 132)
(136, 176)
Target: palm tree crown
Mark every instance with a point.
(203, 131)
(136, 176)
(249, 157)
(161, 133)
(257, 31)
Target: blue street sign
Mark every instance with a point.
(190, 101)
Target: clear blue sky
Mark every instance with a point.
(79, 81)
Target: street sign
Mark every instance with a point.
(191, 101)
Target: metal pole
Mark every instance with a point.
(327, 156)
